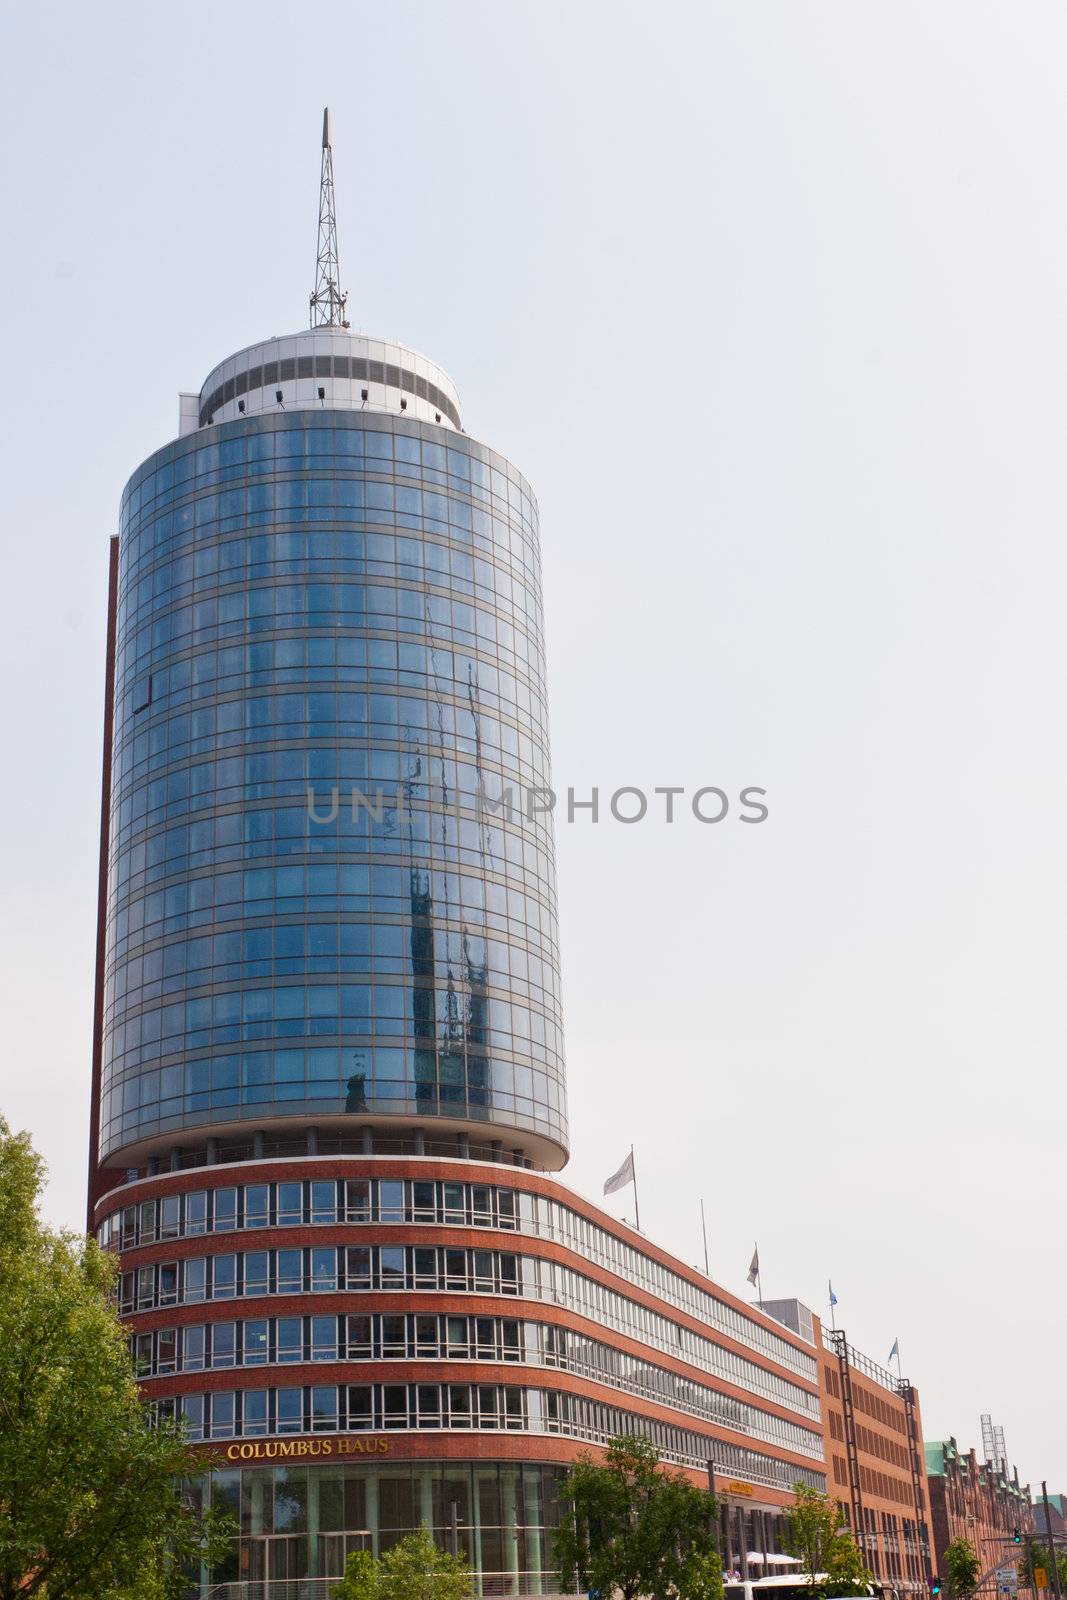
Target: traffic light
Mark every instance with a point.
(1016, 1536)
(935, 1585)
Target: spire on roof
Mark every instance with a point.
(327, 302)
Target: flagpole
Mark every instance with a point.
(833, 1305)
(704, 1231)
(637, 1208)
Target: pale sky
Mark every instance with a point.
(767, 299)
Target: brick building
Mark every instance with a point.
(974, 1500)
(874, 1461)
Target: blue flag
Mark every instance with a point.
(894, 1352)
(833, 1297)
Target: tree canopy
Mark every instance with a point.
(414, 1569)
(962, 1568)
(629, 1524)
(90, 1494)
(817, 1535)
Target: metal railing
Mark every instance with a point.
(489, 1586)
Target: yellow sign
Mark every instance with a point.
(739, 1488)
(1041, 1577)
(305, 1449)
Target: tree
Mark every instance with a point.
(1037, 1555)
(816, 1534)
(629, 1524)
(90, 1499)
(962, 1568)
(414, 1569)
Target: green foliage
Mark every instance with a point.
(90, 1507)
(414, 1569)
(816, 1534)
(962, 1568)
(1037, 1555)
(630, 1525)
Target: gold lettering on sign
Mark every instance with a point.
(304, 1449)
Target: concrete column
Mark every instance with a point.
(368, 1141)
(176, 1158)
(464, 1143)
(420, 1141)
(313, 1141)
(372, 1509)
(257, 1144)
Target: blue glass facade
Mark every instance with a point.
(329, 644)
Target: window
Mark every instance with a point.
(146, 1287)
(193, 1349)
(257, 1272)
(290, 1410)
(394, 1405)
(224, 1210)
(167, 1350)
(324, 1268)
(425, 1336)
(142, 1355)
(428, 1405)
(423, 1202)
(256, 1343)
(290, 1212)
(394, 1336)
(324, 1202)
(324, 1338)
(358, 1337)
(357, 1199)
(290, 1339)
(223, 1344)
(290, 1271)
(193, 1412)
(360, 1406)
(170, 1216)
(254, 1412)
(168, 1283)
(196, 1213)
(425, 1263)
(224, 1277)
(392, 1266)
(456, 1347)
(222, 1416)
(453, 1208)
(257, 1205)
(357, 1266)
(324, 1409)
(390, 1200)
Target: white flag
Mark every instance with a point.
(620, 1179)
(753, 1267)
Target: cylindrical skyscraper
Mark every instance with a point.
(328, 1086)
(326, 907)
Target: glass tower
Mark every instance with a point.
(331, 895)
(328, 1084)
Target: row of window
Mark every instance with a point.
(336, 659)
(414, 1336)
(263, 607)
(326, 1408)
(477, 1205)
(421, 1268)
(386, 1082)
(288, 551)
(274, 443)
(451, 955)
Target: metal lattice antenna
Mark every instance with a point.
(327, 303)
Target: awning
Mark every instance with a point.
(772, 1559)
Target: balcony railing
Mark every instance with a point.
(491, 1586)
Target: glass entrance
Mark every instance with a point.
(335, 1549)
(277, 1556)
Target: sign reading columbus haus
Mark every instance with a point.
(303, 1449)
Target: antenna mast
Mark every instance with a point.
(327, 303)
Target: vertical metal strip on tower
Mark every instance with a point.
(840, 1343)
(327, 302)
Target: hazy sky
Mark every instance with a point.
(767, 298)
